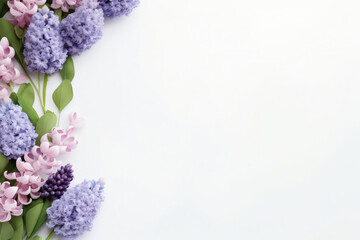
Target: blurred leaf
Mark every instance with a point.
(68, 70)
(45, 125)
(14, 98)
(42, 216)
(18, 225)
(63, 95)
(7, 30)
(4, 8)
(20, 32)
(37, 237)
(58, 13)
(26, 98)
(4, 162)
(11, 167)
(6, 231)
(31, 214)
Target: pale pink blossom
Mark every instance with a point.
(76, 121)
(65, 5)
(8, 205)
(23, 11)
(4, 94)
(8, 72)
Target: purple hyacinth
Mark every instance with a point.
(43, 48)
(17, 134)
(82, 29)
(116, 8)
(57, 183)
(74, 212)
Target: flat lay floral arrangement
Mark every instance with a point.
(37, 40)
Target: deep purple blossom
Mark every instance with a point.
(57, 184)
(74, 212)
(17, 134)
(43, 49)
(82, 29)
(116, 8)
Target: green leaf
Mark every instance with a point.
(26, 98)
(32, 214)
(42, 216)
(6, 231)
(58, 13)
(4, 162)
(63, 95)
(18, 225)
(68, 70)
(4, 8)
(37, 237)
(14, 98)
(45, 125)
(7, 30)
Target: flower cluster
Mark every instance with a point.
(17, 134)
(74, 212)
(8, 72)
(43, 49)
(82, 29)
(57, 183)
(116, 8)
(40, 160)
(22, 11)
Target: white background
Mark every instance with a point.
(223, 120)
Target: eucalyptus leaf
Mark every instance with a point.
(26, 98)
(45, 125)
(63, 95)
(32, 215)
(68, 70)
(7, 30)
(4, 162)
(42, 217)
(18, 225)
(6, 231)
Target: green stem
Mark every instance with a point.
(37, 90)
(46, 78)
(11, 87)
(39, 86)
(58, 123)
(50, 235)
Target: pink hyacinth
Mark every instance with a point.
(65, 5)
(41, 160)
(8, 72)
(23, 11)
(8, 205)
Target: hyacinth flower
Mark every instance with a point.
(4, 94)
(74, 212)
(57, 184)
(43, 49)
(116, 8)
(41, 160)
(65, 5)
(82, 29)
(8, 72)
(22, 11)
(17, 134)
(8, 205)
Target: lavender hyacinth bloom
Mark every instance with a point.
(57, 183)
(74, 212)
(17, 134)
(116, 8)
(43, 49)
(82, 29)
